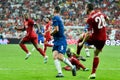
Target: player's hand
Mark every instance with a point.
(80, 44)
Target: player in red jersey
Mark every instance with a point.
(30, 36)
(73, 58)
(47, 35)
(96, 34)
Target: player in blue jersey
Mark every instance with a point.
(60, 43)
(40, 35)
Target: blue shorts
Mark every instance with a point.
(87, 44)
(41, 39)
(60, 48)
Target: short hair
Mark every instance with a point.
(90, 6)
(46, 19)
(57, 9)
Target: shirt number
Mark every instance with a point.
(101, 21)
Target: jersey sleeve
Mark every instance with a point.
(89, 22)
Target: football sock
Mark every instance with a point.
(66, 61)
(41, 52)
(77, 62)
(45, 47)
(79, 49)
(58, 65)
(24, 48)
(95, 64)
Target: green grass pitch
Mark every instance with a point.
(14, 67)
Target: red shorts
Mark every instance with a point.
(99, 44)
(32, 39)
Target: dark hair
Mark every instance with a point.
(90, 6)
(57, 9)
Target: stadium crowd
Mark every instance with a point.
(72, 12)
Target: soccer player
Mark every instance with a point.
(47, 35)
(40, 32)
(74, 60)
(60, 43)
(95, 35)
(31, 36)
(87, 46)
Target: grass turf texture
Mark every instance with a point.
(13, 66)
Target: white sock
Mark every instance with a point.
(58, 65)
(87, 52)
(66, 61)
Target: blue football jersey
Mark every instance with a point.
(57, 21)
(60, 43)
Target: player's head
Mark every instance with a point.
(56, 9)
(88, 8)
(47, 19)
(26, 16)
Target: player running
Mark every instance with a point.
(31, 36)
(47, 35)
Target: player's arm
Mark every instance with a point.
(55, 30)
(20, 29)
(55, 26)
(86, 36)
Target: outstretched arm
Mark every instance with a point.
(20, 29)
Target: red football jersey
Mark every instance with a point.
(47, 33)
(97, 24)
(29, 27)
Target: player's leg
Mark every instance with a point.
(35, 43)
(46, 44)
(79, 47)
(66, 61)
(57, 63)
(78, 64)
(23, 46)
(62, 50)
(99, 45)
(95, 64)
(67, 68)
(87, 49)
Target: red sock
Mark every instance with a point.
(45, 47)
(41, 52)
(95, 64)
(77, 63)
(24, 47)
(79, 47)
